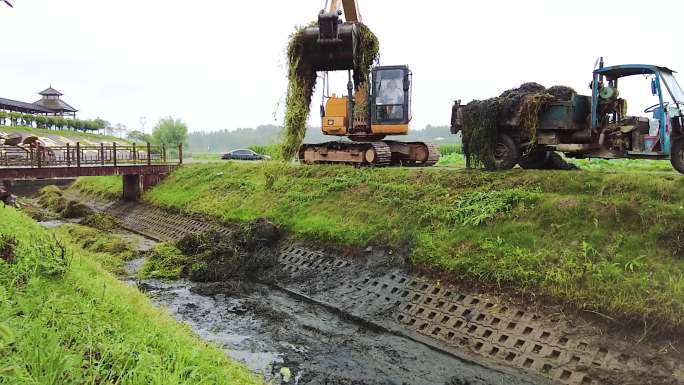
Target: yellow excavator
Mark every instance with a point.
(364, 116)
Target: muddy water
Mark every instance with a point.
(268, 330)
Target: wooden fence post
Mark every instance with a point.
(102, 155)
(114, 153)
(180, 153)
(68, 155)
(149, 152)
(78, 154)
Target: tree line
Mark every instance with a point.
(264, 135)
(50, 122)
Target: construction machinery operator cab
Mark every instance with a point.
(391, 95)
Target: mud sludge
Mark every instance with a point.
(360, 320)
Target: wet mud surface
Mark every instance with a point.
(268, 329)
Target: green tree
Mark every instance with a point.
(74, 124)
(139, 137)
(61, 122)
(3, 117)
(100, 124)
(51, 122)
(170, 131)
(14, 118)
(41, 121)
(89, 125)
(27, 120)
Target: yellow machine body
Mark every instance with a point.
(335, 121)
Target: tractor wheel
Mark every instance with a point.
(535, 160)
(677, 155)
(506, 153)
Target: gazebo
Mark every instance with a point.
(51, 100)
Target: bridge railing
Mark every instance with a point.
(89, 155)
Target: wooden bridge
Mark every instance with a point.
(140, 166)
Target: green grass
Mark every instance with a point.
(108, 187)
(66, 320)
(610, 242)
(452, 157)
(452, 148)
(68, 134)
(623, 164)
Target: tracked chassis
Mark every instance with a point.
(370, 154)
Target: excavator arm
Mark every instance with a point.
(351, 9)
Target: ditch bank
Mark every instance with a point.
(366, 318)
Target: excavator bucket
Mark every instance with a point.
(331, 46)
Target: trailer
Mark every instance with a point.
(596, 125)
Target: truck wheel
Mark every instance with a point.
(677, 155)
(535, 160)
(506, 153)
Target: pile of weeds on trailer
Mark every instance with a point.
(482, 119)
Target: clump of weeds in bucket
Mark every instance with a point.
(302, 82)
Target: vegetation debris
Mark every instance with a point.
(52, 198)
(302, 82)
(215, 257)
(76, 209)
(519, 107)
(101, 221)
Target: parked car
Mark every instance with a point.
(243, 154)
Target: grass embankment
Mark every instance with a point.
(609, 242)
(66, 320)
(107, 187)
(73, 135)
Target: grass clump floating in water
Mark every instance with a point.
(302, 83)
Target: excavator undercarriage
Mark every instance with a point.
(370, 154)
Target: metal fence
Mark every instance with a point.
(78, 155)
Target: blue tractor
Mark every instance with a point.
(598, 126)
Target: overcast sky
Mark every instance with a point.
(220, 64)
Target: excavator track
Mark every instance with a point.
(433, 155)
(414, 154)
(371, 154)
(361, 154)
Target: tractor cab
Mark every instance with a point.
(391, 99)
(652, 133)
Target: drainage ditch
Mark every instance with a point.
(339, 320)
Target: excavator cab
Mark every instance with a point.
(391, 100)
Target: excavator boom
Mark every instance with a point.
(351, 9)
